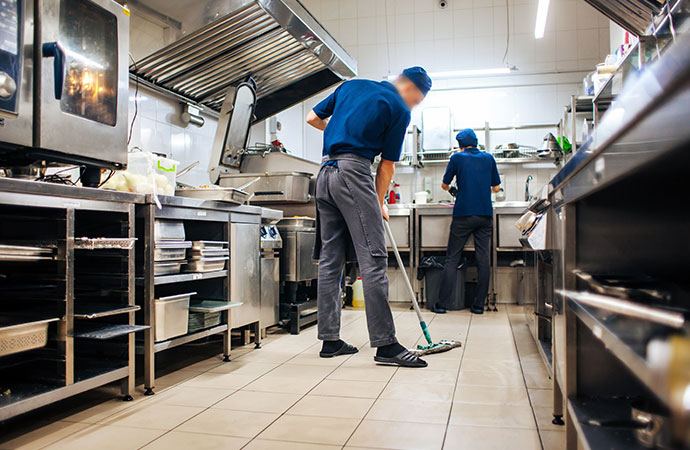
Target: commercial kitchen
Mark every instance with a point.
(158, 221)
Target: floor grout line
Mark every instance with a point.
(522, 372)
(455, 388)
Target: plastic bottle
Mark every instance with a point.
(358, 294)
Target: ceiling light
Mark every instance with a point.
(542, 13)
(467, 73)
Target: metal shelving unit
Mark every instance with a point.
(212, 225)
(79, 290)
(616, 194)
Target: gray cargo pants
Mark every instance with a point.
(348, 208)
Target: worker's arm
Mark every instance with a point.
(384, 175)
(445, 186)
(316, 121)
(495, 189)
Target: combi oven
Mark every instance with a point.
(64, 81)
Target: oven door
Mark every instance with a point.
(16, 73)
(84, 80)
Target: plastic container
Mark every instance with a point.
(172, 316)
(358, 294)
(146, 173)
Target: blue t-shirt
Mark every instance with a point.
(476, 173)
(367, 118)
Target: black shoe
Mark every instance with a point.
(345, 349)
(477, 310)
(403, 359)
(439, 309)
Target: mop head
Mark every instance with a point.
(441, 347)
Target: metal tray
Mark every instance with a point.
(219, 194)
(168, 230)
(107, 331)
(21, 337)
(168, 268)
(206, 265)
(213, 306)
(199, 245)
(169, 254)
(208, 253)
(25, 253)
(85, 243)
(173, 243)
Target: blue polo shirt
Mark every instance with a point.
(476, 173)
(367, 118)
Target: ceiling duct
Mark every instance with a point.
(277, 43)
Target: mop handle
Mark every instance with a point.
(413, 297)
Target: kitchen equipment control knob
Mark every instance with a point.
(273, 232)
(263, 232)
(7, 85)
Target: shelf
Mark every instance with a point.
(174, 342)
(586, 413)
(184, 277)
(626, 338)
(27, 396)
(109, 331)
(95, 310)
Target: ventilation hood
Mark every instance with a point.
(277, 43)
(634, 16)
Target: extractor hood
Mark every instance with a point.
(277, 43)
(634, 16)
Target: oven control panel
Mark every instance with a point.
(270, 237)
(10, 54)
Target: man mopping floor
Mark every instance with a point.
(367, 118)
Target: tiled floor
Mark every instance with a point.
(493, 393)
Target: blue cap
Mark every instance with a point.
(467, 138)
(419, 77)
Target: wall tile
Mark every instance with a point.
(443, 24)
(483, 19)
(588, 44)
(347, 10)
(566, 46)
(404, 28)
(330, 10)
(463, 25)
(424, 26)
(587, 16)
(366, 31)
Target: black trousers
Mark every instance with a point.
(460, 230)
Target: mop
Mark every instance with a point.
(431, 347)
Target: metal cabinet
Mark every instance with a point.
(244, 272)
(270, 276)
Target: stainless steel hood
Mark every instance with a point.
(634, 16)
(278, 43)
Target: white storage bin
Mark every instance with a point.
(172, 316)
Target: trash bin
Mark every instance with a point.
(431, 270)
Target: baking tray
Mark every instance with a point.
(205, 265)
(168, 267)
(200, 245)
(216, 193)
(21, 337)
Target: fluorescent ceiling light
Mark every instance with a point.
(542, 13)
(467, 73)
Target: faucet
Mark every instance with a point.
(528, 196)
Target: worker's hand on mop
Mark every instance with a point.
(384, 212)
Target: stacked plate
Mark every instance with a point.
(207, 256)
